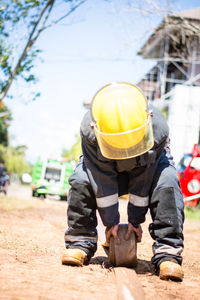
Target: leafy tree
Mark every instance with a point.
(17, 58)
(5, 117)
(75, 151)
(15, 160)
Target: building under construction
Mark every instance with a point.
(173, 84)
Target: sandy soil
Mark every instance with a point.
(32, 242)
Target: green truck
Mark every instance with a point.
(50, 177)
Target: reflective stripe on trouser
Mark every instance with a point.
(167, 211)
(72, 238)
(159, 249)
(81, 239)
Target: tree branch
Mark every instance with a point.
(66, 15)
(26, 49)
(32, 40)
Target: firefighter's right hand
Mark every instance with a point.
(112, 232)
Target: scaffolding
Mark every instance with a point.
(175, 46)
(173, 84)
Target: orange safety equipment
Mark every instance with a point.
(122, 122)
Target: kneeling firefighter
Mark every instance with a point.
(125, 149)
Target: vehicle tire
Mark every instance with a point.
(34, 194)
(63, 198)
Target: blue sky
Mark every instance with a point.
(95, 46)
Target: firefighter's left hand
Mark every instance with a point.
(137, 230)
(112, 232)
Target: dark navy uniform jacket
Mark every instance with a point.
(134, 176)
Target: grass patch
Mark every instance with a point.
(14, 203)
(192, 213)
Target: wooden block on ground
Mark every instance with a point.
(128, 285)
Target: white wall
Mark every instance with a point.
(184, 119)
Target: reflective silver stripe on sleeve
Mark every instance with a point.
(107, 201)
(139, 201)
(78, 238)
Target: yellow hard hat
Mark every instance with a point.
(122, 123)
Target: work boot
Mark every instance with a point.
(106, 246)
(170, 270)
(75, 257)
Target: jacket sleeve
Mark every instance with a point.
(103, 178)
(136, 214)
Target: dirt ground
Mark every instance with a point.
(32, 242)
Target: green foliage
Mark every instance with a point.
(15, 160)
(4, 124)
(14, 157)
(15, 18)
(193, 213)
(75, 151)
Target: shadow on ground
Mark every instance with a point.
(143, 266)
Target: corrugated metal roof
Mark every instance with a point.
(174, 25)
(190, 14)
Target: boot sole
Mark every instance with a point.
(68, 260)
(174, 277)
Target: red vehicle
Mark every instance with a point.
(189, 175)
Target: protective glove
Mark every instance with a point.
(112, 232)
(138, 230)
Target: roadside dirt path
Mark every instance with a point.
(32, 242)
